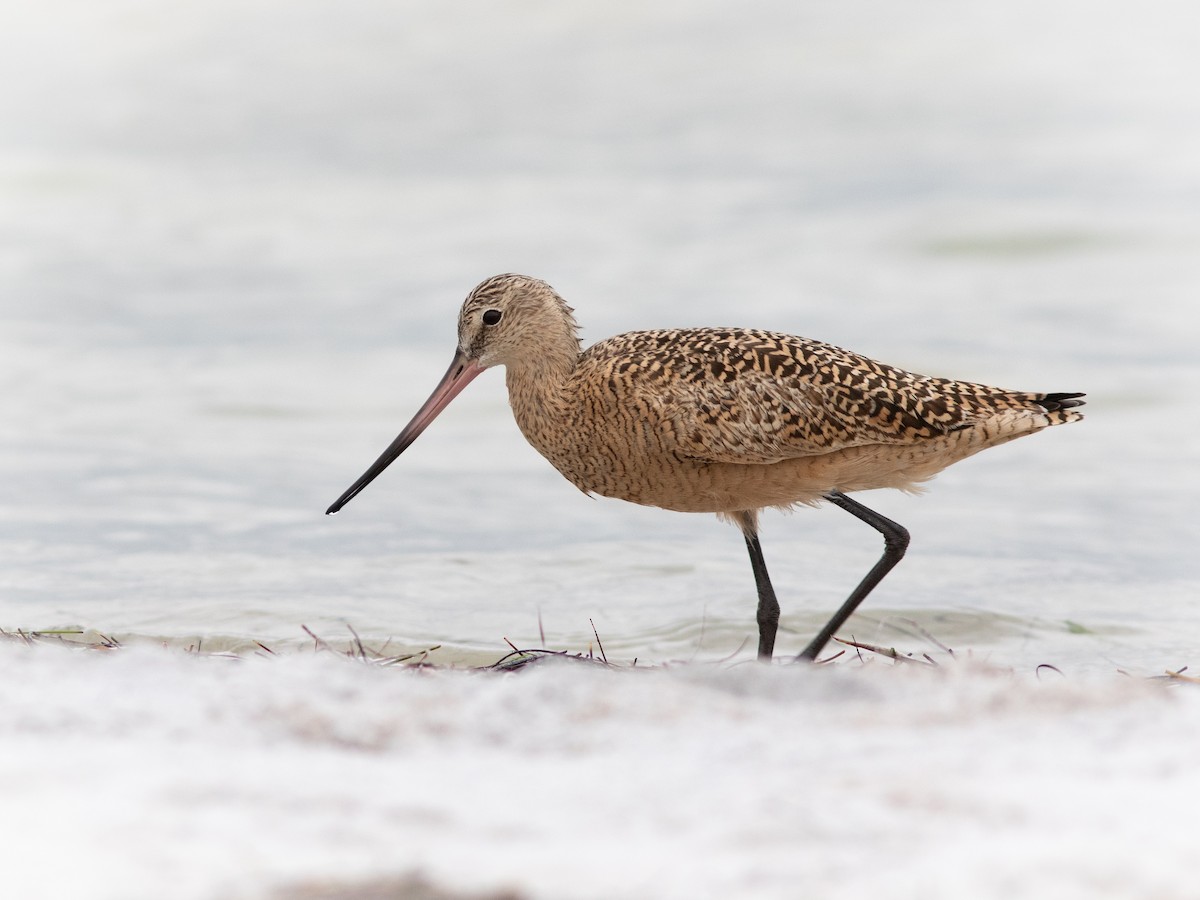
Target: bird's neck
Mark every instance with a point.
(537, 388)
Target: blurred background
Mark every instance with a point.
(234, 237)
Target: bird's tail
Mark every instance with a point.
(1061, 407)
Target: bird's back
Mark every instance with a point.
(749, 396)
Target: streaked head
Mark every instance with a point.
(511, 317)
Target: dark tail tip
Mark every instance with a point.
(1053, 402)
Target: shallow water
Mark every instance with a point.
(235, 239)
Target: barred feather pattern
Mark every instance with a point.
(730, 420)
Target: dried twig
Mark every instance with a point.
(319, 643)
(921, 632)
(735, 652)
(829, 659)
(598, 642)
(362, 652)
(889, 652)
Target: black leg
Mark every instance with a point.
(895, 542)
(768, 606)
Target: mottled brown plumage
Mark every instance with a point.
(723, 420)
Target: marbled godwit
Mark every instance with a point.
(723, 420)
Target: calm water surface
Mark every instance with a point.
(234, 239)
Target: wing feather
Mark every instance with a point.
(746, 396)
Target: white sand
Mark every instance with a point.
(150, 773)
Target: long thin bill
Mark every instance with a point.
(457, 377)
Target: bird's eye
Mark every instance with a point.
(491, 317)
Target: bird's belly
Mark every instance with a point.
(670, 481)
(688, 485)
(641, 468)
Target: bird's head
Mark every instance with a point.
(514, 318)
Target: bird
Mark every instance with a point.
(730, 421)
